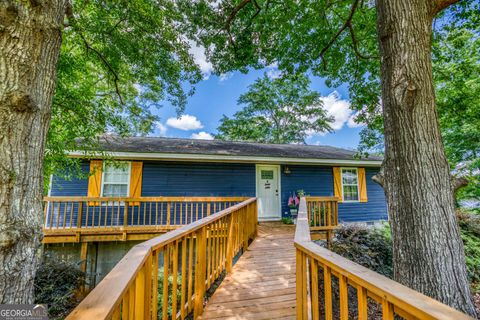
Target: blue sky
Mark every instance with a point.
(216, 96)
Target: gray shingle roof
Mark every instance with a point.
(225, 148)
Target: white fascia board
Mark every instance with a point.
(223, 158)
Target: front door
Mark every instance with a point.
(268, 192)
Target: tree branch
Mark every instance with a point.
(379, 178)
(458, 183)
(355, 45)
(340, 31)
(71, 18)
(234, 13)
(106, 63)
(255, 3)
(439, 5)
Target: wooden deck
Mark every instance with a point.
(262, 282)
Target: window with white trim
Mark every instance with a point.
(116, 179)
(350, 184)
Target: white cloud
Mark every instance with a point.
(186, 122)
(351, 122)
(273, 72)
(338, 108)
(225, 76)
(198, 53)
(162, 129)
(202, 135)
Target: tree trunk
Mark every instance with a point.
(428, 253)
(30, 39)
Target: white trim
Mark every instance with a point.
(50, 185)
(279, 182)
(224, 158)
(358, 185)
(129, 178)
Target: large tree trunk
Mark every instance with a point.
(428, 252)
(30, 39)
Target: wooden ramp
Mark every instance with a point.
(262, 282)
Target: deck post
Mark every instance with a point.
(255, 213)
(148, 287)
(230, 244)
(140, 294)
(83, 264)
(301, 286)
(200, 270)
(125, 214)
(79, 215)
(169, 208)
(244, 228)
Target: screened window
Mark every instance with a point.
(350, 184)
(116, 179)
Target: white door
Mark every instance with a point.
(268, 192)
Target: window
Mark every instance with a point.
(350, 184)
(267, 174)
(116, 179)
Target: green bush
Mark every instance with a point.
(56, 284)
(170, 293)
(287, 220)
(470, 232)
(369, 247)
(372, 247)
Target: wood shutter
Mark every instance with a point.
(95, 180)
(362, 185)
(337, 183)
(136, 181)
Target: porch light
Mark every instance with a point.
(286, 170)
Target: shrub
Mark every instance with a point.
(369, 247)
(372, 247)
(56, 284)
(470, 231)
(287, 220)
(170, 292)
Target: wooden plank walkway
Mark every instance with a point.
(262, 282)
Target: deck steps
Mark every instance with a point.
(262, 282)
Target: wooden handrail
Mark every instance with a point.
(143, 199)
(313, 261)
(203, 250)
(69, 213)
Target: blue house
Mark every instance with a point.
(140, 187)
(154, 167)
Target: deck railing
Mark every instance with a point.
(322, 213)
(330, 286)
(166, 277)
(66, 213)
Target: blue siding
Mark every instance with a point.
(158, 179)
(374, 209)
(318, 181)
(224, 179)
(198, 179)
(62, 187)
(73, 187)
(314, 180)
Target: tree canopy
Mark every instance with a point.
(279, 110)
(457, 78)
(456, 70)
(119, 60)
